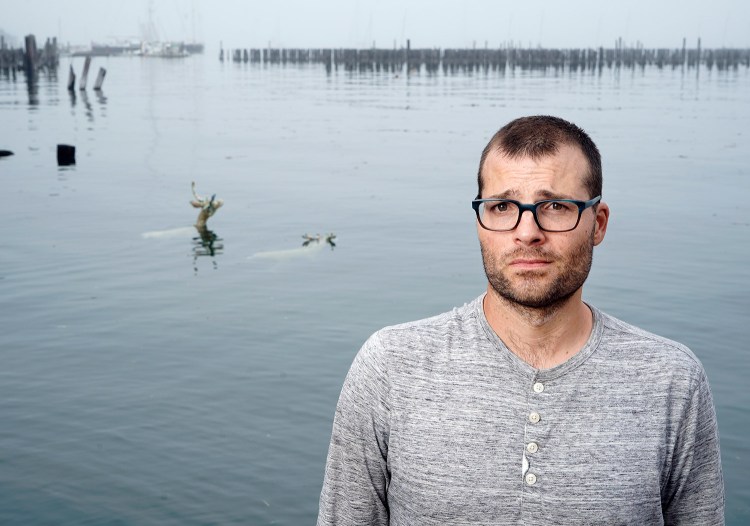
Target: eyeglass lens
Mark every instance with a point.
(550, 215)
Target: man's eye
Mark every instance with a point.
(558, 206)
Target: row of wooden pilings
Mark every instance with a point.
(30, 58)
(454, 60)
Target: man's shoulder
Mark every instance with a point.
(426, 335)
(439, 325)
(637, 343)
(428, 344)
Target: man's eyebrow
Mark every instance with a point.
(540, 195)
(507, 194)
(548, 194)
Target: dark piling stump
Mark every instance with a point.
(100, 79)
(66, 155)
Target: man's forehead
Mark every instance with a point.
(567, 161)
(537, 193)
(559, 175)
(566, 152)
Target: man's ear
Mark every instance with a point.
(602, 220)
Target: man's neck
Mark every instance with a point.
(543, 338)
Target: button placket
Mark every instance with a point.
(538, 388)
(532, 446)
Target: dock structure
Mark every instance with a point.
(11, 60)
(462, 60)
(30, 58)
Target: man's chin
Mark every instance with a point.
(529, 302)
(539, 296)
(531, 273)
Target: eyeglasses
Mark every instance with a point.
(551, 215)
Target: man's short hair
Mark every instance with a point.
(540, 136)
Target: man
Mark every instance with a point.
(526, 406)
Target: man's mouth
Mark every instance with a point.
(529, 263)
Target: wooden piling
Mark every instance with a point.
(30, 56)
(698, 51)
(100, 79)
(85, 73)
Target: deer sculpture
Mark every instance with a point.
(208, 207)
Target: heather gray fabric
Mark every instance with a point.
(433, 424)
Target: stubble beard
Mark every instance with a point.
(529, 292)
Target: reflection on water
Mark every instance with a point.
(46, 78)
(207, 244)
(100, 97)
(87, 105)
(32, 88)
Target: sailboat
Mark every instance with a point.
(151, 46)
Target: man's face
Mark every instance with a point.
(528, 266)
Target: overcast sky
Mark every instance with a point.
(360, 23)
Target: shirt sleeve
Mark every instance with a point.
(695, 489)
(356, 475)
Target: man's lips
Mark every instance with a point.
(529, 263)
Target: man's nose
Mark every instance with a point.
(528, 231)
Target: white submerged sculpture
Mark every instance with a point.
(311, 246)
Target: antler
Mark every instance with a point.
(197, 197)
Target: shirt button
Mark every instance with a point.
(538, 387)
(534, 418)
(532, 447)
(530, 479)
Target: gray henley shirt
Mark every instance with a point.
(439, 423)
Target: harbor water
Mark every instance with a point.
(153, 376)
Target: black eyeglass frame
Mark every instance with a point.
(522, 207)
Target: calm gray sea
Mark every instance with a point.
(150, 377)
